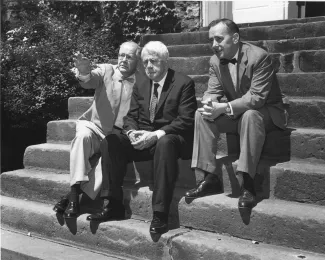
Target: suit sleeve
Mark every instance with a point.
(96, 77)
(215, 90)
(131, 119)
(186, 110)
(260, 87)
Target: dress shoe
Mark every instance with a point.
(109, 213)
(204, 188)
(159, 223)
(72, 211)
(246, 200)
(61, 206)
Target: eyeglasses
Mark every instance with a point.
(152, 61)
(126, 56)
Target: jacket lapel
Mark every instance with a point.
(168, 85)
(242, 64)
(226, 80)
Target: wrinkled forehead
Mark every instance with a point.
(219, 30)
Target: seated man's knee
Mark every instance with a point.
(165, 142)
(83, 134)
(252, 115)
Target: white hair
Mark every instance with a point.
(158, 48)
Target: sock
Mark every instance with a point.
(249, 183)
(74, 193)
(212, 178)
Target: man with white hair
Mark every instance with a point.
(158, 126)
(113, 86)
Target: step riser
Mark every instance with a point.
(277, 32)
(302, 114)
(263, 226)
(130, 238)
(47, 158)
(279, 182)
(283, 229)
(296, 144)
(304, 61)
(273, 46)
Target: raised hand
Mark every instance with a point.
(82, 63)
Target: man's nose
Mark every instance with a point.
(215, 43)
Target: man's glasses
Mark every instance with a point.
(126, 56)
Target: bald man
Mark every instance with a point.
(113, 86)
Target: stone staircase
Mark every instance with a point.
(289, 221)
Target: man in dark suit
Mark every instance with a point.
(158, 126)
(244, 74)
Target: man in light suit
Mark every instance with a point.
(244, 74)
(158, 126)
(113, 86)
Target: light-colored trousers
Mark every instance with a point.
(85, 144)
(251, 126)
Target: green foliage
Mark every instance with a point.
(37, 50)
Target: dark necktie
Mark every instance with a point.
(154, 102)
(226, 61)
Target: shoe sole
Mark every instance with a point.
(110, 219)
(209, 194)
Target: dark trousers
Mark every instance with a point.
(165, 155)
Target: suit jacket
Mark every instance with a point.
(257, 84)
(175, 109)
(106, 104)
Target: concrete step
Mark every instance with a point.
(292, 84)
(295, 143)
(256, 33)
(279, 22)
(304, 112)
(272, 46)
(21, 246)
(296, 62)
(47, 155)
(285, 224)
(296, 180)
(285, 145)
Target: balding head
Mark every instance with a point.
(128, 57)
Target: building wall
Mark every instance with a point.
(250, 11)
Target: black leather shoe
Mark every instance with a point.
(109, 213)
(246, 200)
(72, 211)
(205, 188)
(159, 223)
(61, 206)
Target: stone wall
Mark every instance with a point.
(189, 14)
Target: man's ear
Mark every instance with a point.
(235, 38)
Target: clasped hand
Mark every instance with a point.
(212, 110)
(142, 139)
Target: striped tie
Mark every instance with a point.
(154, 101)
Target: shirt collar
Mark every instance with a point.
(119, 74)
(162, 81)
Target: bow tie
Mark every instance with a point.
(226, 61)
(130, 79)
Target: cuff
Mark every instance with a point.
(231, 111)
(129, 132)
(160, 133)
